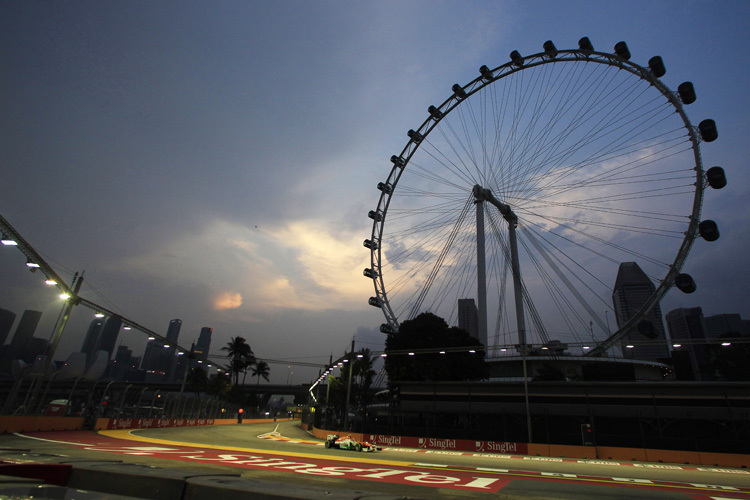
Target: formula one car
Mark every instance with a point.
(347, 443)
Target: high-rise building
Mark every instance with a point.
(173, 332)
(631, 291)
(204, 344)
(121, 364)
(24, 332)
(37, 347)
(468, 317)
(152, 355)
(724, 324)
(108, 338)
(685, 326)
(91, 340)
(171, 360)
(7, 318)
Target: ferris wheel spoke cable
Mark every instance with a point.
(462, 172)
(531, 309)
(455, 276)
(554, 292)
(435, 271)
(588, 236)
(554, 142)
(564, 278)
(616, 145)
(601, 130)
(438, 263)
(554, 188)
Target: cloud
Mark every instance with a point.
(227, 300)
(329, 264)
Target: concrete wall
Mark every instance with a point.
(10, 424)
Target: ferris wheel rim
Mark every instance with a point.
(462, 94)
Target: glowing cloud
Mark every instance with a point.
(227, 300)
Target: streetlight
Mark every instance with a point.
(8, 242)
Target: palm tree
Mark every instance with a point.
(261, 369)
(247, 362)
(240, 354)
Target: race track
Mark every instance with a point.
(285, 453)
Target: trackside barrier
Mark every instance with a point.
(550, 450)
(432, 443)
(146, 423)
(11, 424)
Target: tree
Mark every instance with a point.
(430, 332)
(261, 369)
(240, 355)
(218, 386)
(197, 380)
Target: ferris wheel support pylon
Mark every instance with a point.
(481, 274)
(481, 195)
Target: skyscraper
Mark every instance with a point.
(468, 317)
(24, 332)
(173, 332)
(91, 340)
(152, 355)
(171, 359)
(687, 325)
(204, 344)
(724, 324)
(631, 291)
(108, 338)
(7, 318)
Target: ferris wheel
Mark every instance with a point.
(529, 186)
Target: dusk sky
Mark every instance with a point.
(215, 161)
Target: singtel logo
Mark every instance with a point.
(443, 444)
(494, 446)
(387, 440)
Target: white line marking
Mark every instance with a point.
(48, 440)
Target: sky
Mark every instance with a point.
(215, 161)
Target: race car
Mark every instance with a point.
(347, 443)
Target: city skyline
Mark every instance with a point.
(217, 165)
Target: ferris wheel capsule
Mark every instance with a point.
(621, 49)
(708, 230)
(686, 92)
(716, 177)
(584, 44)
(708, 130)
(516, 58)
(485, 72)
(550, 49)
(684, 282)
(656, 65)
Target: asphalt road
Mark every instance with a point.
(284, 452)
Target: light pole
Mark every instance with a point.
(349, 388)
